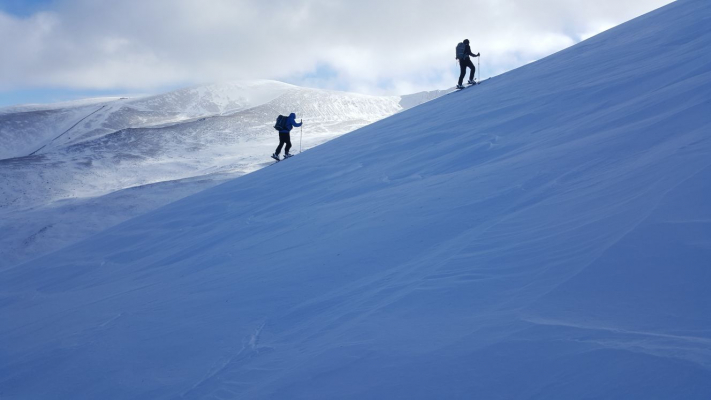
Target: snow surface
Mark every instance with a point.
(190, 139)
(546, 235)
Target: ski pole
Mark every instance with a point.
(301, 136)
(478, 60)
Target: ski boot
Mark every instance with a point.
(287, 155)
(276, 157)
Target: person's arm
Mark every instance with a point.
(296, 124)
(292, 122)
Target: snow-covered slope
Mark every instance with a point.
(546, 235)
(224, 130)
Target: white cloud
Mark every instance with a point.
(371, 46)
(594, 30)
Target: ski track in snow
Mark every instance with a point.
(70, 128)
(249, 349)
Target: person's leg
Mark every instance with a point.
(288, 142)
(281, 143)
(463, 71)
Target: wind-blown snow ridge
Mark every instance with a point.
(22, 108)
(543, 236)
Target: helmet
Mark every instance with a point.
(466, 41)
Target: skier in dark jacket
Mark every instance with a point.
(285, 137)
(464, 62)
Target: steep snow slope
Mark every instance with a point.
(546, 235)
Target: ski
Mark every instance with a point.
(277, 159)
(456, 89)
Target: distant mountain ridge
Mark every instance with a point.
(25, 129)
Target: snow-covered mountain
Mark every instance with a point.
(104, 161)
(546, 235)
(38, 129)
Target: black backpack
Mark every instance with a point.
(461, 47)
(281, 123)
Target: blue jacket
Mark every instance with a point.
(291, 123)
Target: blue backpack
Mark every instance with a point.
(281, 123)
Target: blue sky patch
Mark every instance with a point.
(24, 8)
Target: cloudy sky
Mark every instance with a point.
(56, 50)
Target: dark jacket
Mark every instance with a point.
(468, 51)
(291, 123)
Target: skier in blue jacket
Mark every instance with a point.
(285, 137)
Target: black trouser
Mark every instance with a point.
(284, 137)
(463, 64)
